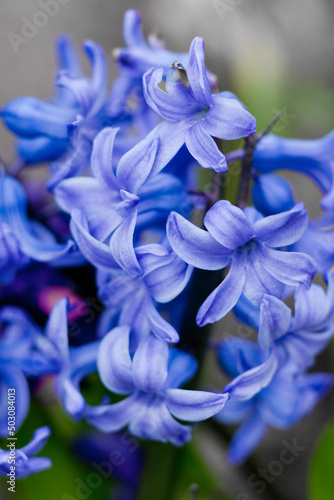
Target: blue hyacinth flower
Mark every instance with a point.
(192, 114)
(25, 462)
(133, 301)
(280, 403)
(134, 60)
(247, 242)
(107, 208)
(313, 158)
(151, 380)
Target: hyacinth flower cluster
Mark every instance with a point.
(124, 167)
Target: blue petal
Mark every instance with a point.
(150, 364)
(159, 326)
(282, 229)
(252, 381)
(114, 362)
(41, 149)
(136, 165)
(133, 29)
(12, 378)
(291, 268)
(245, 440)
(167, 281)
(228, 119)
(259, 281)
(121, 243)
(195, 246)
(228, 225)
(302, 346)
(236, 355)
(275, 319)
(38, 441)
(111, 418)
(272, 194)
(313, 308)
(163, 104)
(225, 296)
(56, 327)
(182, 366)
(234, 412)
(31, 117)
(172, 137)
(204, 149)
(246, 312)
(82, 193)
(101, 160)
(95, 252)
(196, 72)
(194, 406)
(68, 58)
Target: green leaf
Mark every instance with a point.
(321, 478)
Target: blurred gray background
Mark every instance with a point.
(273, 54)
(248, 43)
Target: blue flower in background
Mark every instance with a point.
(12, 258)
(133, 301)
(297, 338)
(27, 238)
(24, 352)
(108, 208)
(193, 115)
(90, 97)
(314, 158)
(74, 363)
(25, 462)
(246, 241)
(152, 379)
(318, 241)
(42, 126)
(284, 401)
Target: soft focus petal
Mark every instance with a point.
(194, 405)
(150, 364)
(275, 319)
(195, 246)
(245, 440)
(114, 362)
(252, 381)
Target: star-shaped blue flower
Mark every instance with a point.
(193, 115)
(247, 242)
(151, 378)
